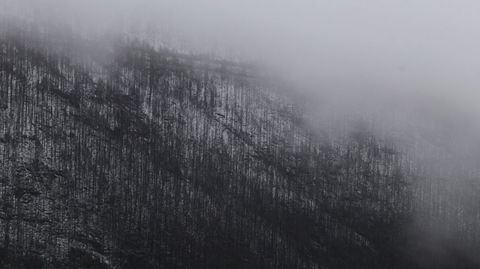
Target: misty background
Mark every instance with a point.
(410, 69)
(373, 52)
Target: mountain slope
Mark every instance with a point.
(146, 158)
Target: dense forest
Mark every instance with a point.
(123, 155)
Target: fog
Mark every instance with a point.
(408, 64)
(422, 47)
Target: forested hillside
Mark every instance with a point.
(138, 157)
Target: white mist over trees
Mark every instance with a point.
(407, 71)
(425, 48)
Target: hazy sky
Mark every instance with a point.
(425, 47)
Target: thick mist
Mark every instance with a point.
(426, 49)
(408, 67)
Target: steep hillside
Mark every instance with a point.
(146, 158)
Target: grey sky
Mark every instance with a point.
(427, 47)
